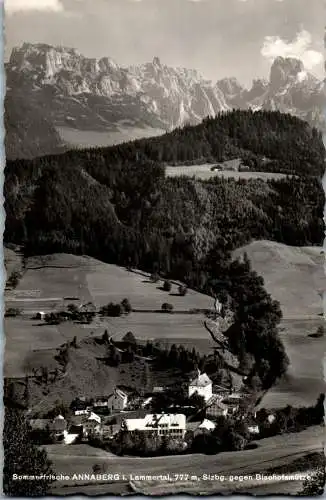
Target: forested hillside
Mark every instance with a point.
(265, 140)
(28, 130)
(116, 204)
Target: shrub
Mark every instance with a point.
(73, 343)
(52, 319)
(129, 338)
(72, 308)
(182, 290)
(112, 310)
(12, 312)
(13, 279)
(154, 278)
(320, 331)
(167, 307)
(126, 306)
(105, 337)
(97, 468)
(167, 286)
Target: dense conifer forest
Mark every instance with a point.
(116, 204)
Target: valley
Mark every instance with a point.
(49, 281)
(164, 298)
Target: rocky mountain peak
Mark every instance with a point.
(157, 62)
(230, 85)
(97, 95)
(285, 70)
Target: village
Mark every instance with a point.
(126, 411)
(190, 413)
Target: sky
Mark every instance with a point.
(219, 38)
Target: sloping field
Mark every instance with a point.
(204, 172)
(272, 452)
(52, 278)
(293, 275)
(12, 261)
(305, 378)
(49, 280)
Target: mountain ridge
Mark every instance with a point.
(89, 94)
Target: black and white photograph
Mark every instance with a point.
(164, 302)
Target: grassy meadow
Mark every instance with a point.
(291, 275)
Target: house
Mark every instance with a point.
(220, 391)
(216, 408)
(201, 385)
(201, 427)
(110, 430)
(92, 425)
(207, 425)
(59, 426)
(40, 424)
(158, 390)
(40, 315)
(253, 429)
(164, 424)
(101, 403)
(82, 412)
(94, 417)
(117, 401)
(70, 438)
(75, 431)
(86, 425)
(54, 429)
(80, 404)
(147, 402)
(232, 401)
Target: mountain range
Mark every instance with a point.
(57, 98)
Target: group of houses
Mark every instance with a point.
(91, 420)
(69, 431)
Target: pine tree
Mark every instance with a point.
(26, 392)
(145, 379)
(22, 457)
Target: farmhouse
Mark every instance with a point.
(202, 385)
(164, 424)
(86, 425)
